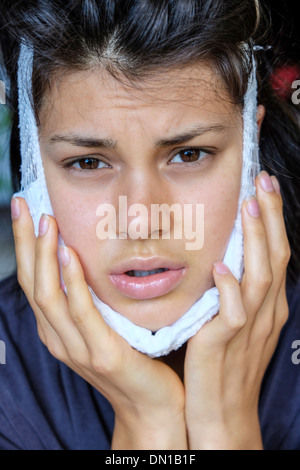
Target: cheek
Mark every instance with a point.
(220, 210)
(76, 219)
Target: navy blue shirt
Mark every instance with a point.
(45, 405)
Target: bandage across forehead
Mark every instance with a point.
(34, 190)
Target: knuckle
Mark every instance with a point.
(99, 367)
(284, 255)
(260, 232)
(78, 316)
(268, 328)
(41, 299)
(275, 205)
(18, 236)
(55, 349)
(237, 321)
(284, 315)
(45, 297)
(264, 280)
(105, 368)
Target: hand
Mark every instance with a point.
(226, 360)
(147, 396)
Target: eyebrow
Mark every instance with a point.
(189, 135)
(91, 142)
(80, 141)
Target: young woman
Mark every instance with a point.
(144, 99)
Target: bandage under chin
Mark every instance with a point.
(34, 190)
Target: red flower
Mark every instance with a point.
(282, 79)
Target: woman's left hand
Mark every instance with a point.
(226, 360)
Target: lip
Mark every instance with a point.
(147, 287)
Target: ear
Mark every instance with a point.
(260, 114)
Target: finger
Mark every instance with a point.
(48, 294)
(270, 273)
(272, 213)
(257, 276)
(267, 328)
(24, 239)
(231, 317)
(282, 307)
(47, 274)
(281, 313)
(95, 332)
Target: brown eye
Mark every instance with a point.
(89, 164)
(190, 155)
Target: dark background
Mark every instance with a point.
(286, 26)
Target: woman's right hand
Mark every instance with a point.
(147, 395)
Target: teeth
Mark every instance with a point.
(145, 273)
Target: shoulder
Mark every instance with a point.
(280, 394)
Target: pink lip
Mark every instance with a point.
(147, 287)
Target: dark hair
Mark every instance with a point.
(133, 38)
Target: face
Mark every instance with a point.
(173, 139)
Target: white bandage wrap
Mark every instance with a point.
(34, 190)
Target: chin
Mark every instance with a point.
(153, 314)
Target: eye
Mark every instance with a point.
(88, 163)
(190, 155)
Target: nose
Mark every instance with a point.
(143, 211)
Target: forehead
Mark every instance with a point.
(93, 95)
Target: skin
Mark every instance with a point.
(214, 406)
(96, 105)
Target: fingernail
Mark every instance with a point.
(266, 182)
(43, 225)
(276, 185)
(253, 207)
(15, 209)
(64, 255)
(221, 268)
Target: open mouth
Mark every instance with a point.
(136, 273)
(143, 283)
